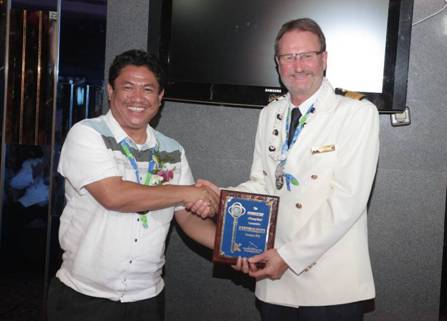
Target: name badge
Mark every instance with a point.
(323, 149)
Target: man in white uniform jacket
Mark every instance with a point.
(320, 267)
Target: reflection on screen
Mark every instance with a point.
(231, 41)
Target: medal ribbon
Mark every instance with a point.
(289, 178)
(153, 164)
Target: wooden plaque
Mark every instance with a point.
(246, 225)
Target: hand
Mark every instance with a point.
(200, 207)
(274, 265)
(203, 182)
(243, 265)
(202, 201)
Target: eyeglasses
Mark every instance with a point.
(301, 56)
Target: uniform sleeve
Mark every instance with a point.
(351, 184)
(85, 159)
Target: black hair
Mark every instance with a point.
(136, 57)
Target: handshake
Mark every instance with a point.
(202, 199)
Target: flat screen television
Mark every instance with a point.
(221, 51)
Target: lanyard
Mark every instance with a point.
(153, 164)
(301, 122)
(280, 174)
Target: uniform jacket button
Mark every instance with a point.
(275, 132)
(314, 176)
(272, 148)
(298, 205)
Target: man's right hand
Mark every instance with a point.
(202, 201)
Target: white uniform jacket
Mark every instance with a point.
(321, 229)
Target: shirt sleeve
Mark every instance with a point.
(186, 177)
(350, 189)
(85, 159)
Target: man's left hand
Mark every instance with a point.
(274, 265)
(202, 208)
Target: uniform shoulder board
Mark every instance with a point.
(274, 97)
(350, 94)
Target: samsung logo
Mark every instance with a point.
(272, 90)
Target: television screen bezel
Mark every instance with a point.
(391, 100)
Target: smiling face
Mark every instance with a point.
(135, 99)
(302, 77)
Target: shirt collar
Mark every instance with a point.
(119, 133)
(314, 99)
(305, 105)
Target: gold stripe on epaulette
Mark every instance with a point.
(354, 95)
(351, 94)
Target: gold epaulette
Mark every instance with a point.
(350, 94)
(274, 97)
